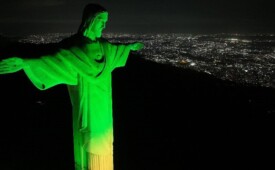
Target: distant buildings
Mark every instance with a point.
(240, 58)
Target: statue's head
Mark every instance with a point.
(93, 21)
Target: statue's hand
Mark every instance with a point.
(136, 46)
(11, 65)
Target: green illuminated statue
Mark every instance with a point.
(84, 62)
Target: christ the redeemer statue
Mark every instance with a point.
(84, 62)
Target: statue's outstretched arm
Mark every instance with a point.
(12, 65)
(136, 46)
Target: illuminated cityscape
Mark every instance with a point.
(247, 59)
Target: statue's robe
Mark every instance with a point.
(85, 66)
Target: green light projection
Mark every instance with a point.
(85, 66)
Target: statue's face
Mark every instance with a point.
(99, 24)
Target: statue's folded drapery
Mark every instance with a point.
(85, 67)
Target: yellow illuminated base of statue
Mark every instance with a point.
(98, 162)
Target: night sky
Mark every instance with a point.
(19, 17)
